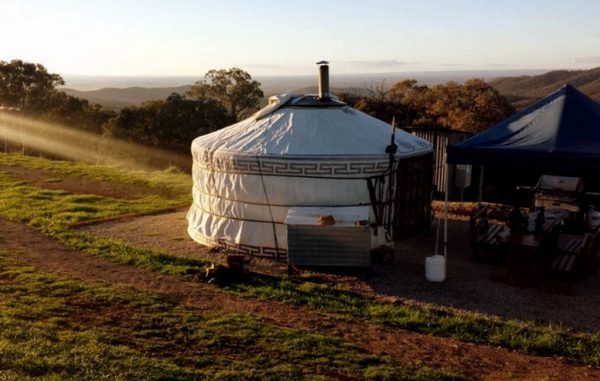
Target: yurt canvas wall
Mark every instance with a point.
(295, 152)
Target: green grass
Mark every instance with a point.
(53, 211)
(172, 179)
(57, 329)
(529, 337)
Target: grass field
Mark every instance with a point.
(56, 328)
(528, 337)
(52, 211)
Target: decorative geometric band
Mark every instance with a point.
(347, 167)
(238, 248)
(254, 251)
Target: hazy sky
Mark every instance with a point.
(287, 37)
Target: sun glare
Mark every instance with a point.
(31, 136)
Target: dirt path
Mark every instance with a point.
(47, 179)
(574, 305)
(168, 232)
(478, 361)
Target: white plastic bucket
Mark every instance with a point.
(435, 268)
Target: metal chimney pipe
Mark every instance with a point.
(323, 80)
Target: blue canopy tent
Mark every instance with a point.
(559, 133)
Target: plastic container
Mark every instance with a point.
(435, 268)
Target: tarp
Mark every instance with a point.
(247, 176)
(559, 133)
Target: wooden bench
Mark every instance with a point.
(484, 234)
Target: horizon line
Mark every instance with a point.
(331, 74)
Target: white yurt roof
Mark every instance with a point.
(290, 126)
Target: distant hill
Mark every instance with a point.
(520, 90)
(118, 92)
(116, 98)
(333, 90)
(523, 90)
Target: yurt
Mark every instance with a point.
(306, 151)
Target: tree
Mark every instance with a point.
(171, 123)
(234, 89)
(26, 85)
(471, 107)
(30, 87)
(377, 102)
(412, 97)
(487, 105)
(71, 111)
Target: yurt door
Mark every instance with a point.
(412, 201)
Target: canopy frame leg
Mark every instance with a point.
(481, 172)
(446, 215)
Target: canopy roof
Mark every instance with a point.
(300, 126)
(558, 133)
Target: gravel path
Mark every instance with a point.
(470, 286)
(168, 232)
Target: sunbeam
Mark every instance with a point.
(34, 136)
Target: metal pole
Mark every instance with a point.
(480, 184)
(446, 216)
(437, 237)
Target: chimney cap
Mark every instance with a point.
(322, 63)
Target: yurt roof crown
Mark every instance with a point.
(322, 99)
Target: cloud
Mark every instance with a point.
(451, 64)
(589, 60)
(475, 65)
(373, 64)
(263, 66)
(496, 64)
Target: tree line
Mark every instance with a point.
(223, 97)
(472, 106)
(227, 96)
(30, 88)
